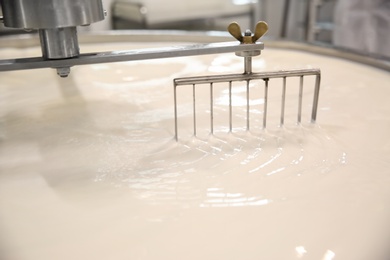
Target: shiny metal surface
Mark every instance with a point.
(45, 14)
(25, 41)
(56, 21)
(58, 43)
(131, 55)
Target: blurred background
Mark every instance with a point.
(359, 25)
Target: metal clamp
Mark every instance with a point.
(248, 38)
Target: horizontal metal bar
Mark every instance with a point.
(131, 55)
(244, 77)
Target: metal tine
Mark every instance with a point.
(315, 98)
(300, 99)
(247, 105)
(230, 107)
(194, 107)
(175, 108)
(283, 101)
(211, 108)
(265, 103)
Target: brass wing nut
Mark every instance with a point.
(248, 38)
(235, 30)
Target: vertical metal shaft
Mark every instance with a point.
(211, 109)
(194, 108)
(315, 99)
(265, 103)
(59, 43)
(175, 108)
(247, 105)
(300, 100)
(247, 65)
(230, 108)
(283, 102)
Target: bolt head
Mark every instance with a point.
(248, 33)
(63, 72)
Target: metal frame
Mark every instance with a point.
(247, 77)
(131, 55)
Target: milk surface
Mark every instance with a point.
(89, 168)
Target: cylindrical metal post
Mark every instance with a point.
(248, 65)
(59, 43)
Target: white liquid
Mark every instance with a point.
(89, 168)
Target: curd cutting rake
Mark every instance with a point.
(247, 77)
